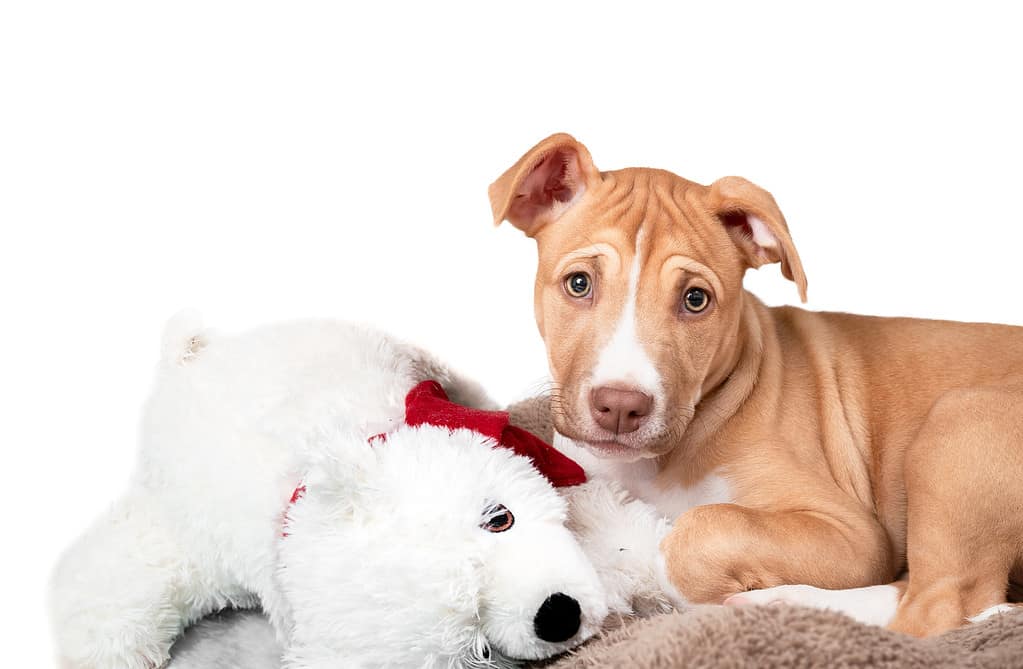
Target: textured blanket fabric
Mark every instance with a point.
(792, 637)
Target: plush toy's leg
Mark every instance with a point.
(123, 592)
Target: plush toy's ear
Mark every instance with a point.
(543, 184)
(756, 225)
(183, 338)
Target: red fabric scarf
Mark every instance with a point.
(428, 404)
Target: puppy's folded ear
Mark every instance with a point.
(543, 184)
(756, 225)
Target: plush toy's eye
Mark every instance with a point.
(696, 300)
(497, 518)
(579, 284)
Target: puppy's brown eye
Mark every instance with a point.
(497, 518)
(696, 300)
(578, 284)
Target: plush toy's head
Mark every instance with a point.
(433, 543)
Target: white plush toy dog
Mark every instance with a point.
(429, 546)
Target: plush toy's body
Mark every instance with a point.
(386, 559)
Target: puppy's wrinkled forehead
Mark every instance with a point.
(653, 211)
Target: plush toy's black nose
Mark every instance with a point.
(558, 618)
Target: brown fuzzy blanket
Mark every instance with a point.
(779, 636)
(792, 637)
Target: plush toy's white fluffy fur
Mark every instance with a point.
(384, 562)
(390, 555)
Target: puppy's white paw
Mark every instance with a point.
(994, 611)
(873, 605)
(803, 595)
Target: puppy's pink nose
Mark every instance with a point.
(620, 410)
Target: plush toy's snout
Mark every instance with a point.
(558, 618)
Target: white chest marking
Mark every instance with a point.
(640, 479)
(675, 501)
(623, 359)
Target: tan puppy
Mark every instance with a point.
(826, 449)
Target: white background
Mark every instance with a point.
(262, 161)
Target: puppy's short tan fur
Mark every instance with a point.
(852, 446)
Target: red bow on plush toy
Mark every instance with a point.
(428, 404)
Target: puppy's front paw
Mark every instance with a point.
(998, 609)
(872, 605)
(803, 595)
(703, 555)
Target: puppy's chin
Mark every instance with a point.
(657, 446)
(589, 453)
(630, 447)
(614, 450)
